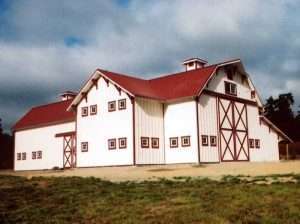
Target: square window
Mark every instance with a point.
(251, 143)
(253, 94)
(18, 156)
(84, 111)
(23, 155)
(257, 143)
(122, 104)
(122, 143)
(33, 155)
(204, 139)
(84, 146)
(112, 144)
(213, 140)
(155, 143)
(230, 88)
(93, 109)
(185, 141)
(174, 142)
(39, 155)
(144, 142)
(111, 106)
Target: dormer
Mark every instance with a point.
(67, 95)
(194, 63)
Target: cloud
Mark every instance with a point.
(47, 47)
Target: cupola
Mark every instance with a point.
(194, 63)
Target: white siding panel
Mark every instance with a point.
(41, 139)
(268, 150)
(180, 120)
(97, 129)
(149, 123)
(208, 126)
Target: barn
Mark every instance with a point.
(205, 114)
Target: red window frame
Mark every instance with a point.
(84, 111)
(257, 143)
(23, 155)
(228, 88)
(124, 144)
(204, 140)
(188, 138)
(111, 109)
(39, 155)
(145, 142)
(213, 140)
(251, 143)
(93, 109)
(84, 146)
(19, 156)
(176, 142)
(155, 143)
(112, 147)
(33, 156)
(120, 107)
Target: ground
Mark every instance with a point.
(158, 194)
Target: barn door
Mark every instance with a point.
(69, 145)
(233, 131)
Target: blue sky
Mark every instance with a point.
(47, 47)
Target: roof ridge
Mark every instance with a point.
(121, 74)
(53, 103)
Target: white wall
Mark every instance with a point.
(208, 126)
(180, 120)
(217, 84)
(97, 129)
(268, 139)
(41, 139)
(149, 122)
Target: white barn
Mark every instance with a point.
(206, 114)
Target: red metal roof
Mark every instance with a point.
(48, 114)
(169, 87)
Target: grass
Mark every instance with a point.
(182, 200)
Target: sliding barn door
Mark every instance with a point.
(69, 144)
(233, 130)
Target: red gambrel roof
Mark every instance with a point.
(169, 87)
(48, 114)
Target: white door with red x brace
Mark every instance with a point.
(69, 145)
(233, 128)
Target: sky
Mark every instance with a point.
(47, 47)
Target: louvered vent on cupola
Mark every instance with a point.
(194, 63)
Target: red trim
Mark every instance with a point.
(69, 151)
(153, 145)
(112, 147)
(147, 145)
(95, 109)
(95, 82)
(175, 145)
(119, 104)
(111, 109)
(218, 128)
(188, 138)
(122, 146)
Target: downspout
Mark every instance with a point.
(197, 119)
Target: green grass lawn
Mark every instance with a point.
(182, 200)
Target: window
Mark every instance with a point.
(122, 143)
(33, 155)
(174, 142)
(257, 143)
(111, 106)
(23, 155)
(213, 140)
(185, 141)
(93, 110)
(18, 156)
(251, 143)
(112, 144)
(122, 104)
(230, 88)
(39, 155)
(84, 146)
(155, 143)
(204, 139)
(144, 142)
(252, 94)
(84, 111)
